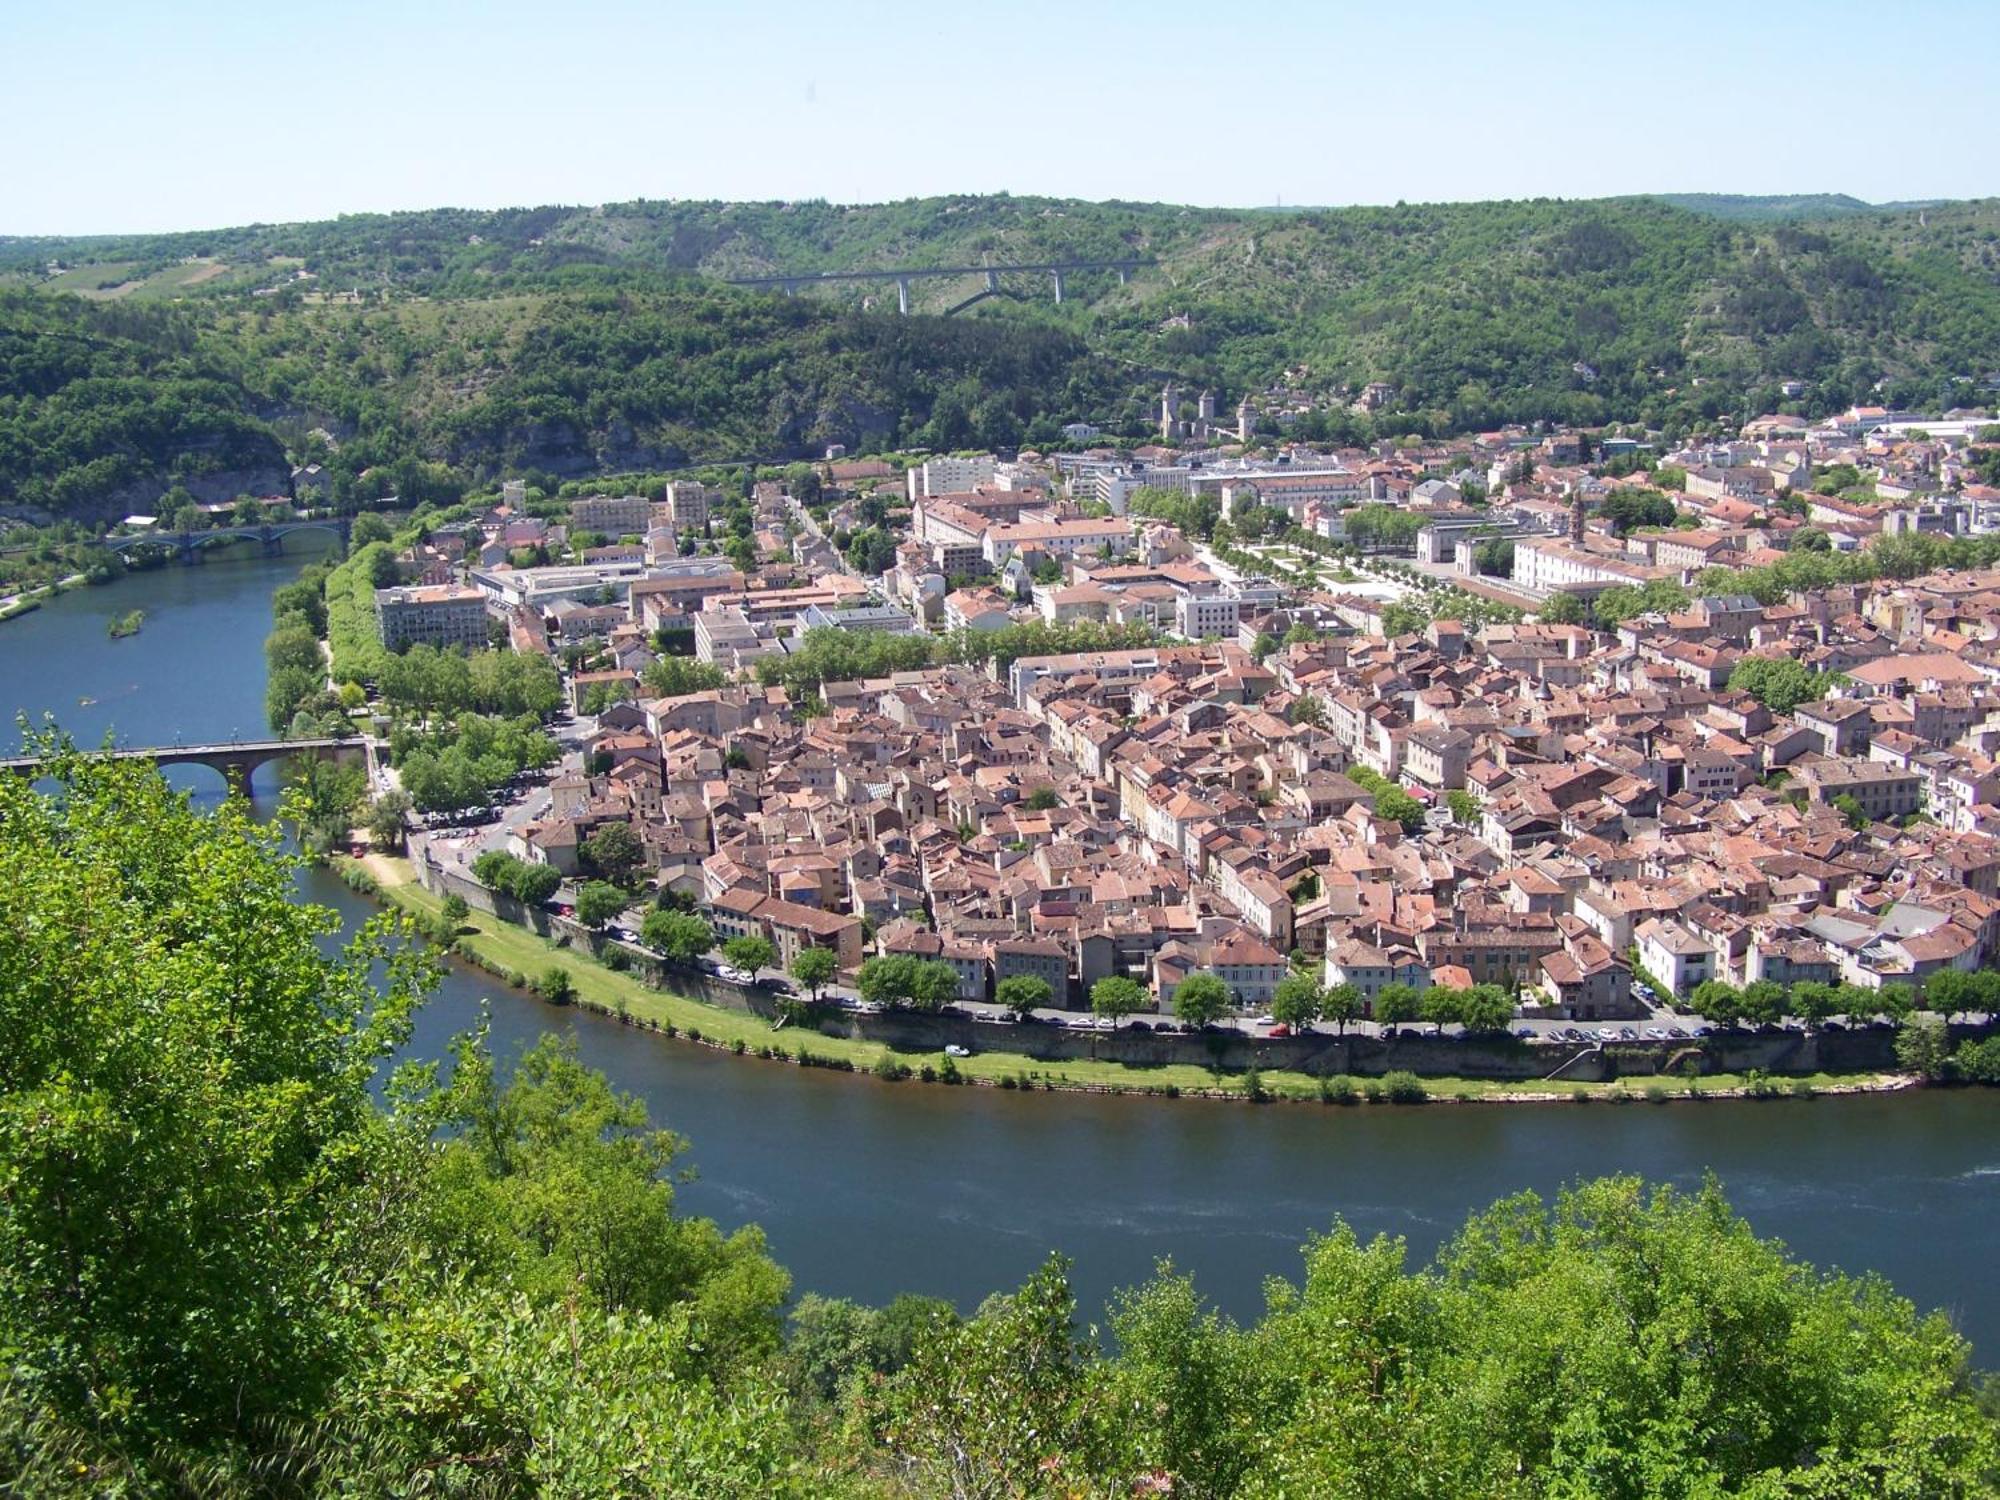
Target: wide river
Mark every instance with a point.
(867, 1189)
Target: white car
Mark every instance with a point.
(954, 1050)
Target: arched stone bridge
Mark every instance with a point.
(237, 760)
(187, 545)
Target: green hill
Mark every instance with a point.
(573, 340)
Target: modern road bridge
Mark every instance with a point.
(791, 281)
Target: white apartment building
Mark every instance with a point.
(950, 476)
(1203, 616)
(444, 614)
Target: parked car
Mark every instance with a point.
(952, 1049)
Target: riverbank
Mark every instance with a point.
(13, 606)
(507, 950)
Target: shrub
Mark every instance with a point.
(1253, 1087)
(1404, 1088)
(886, 1067)
(1338, 1089)
(948, 1070)
(1373, 1091)
(1656, 1093)
(1802, 1089)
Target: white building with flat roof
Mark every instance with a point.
(443, 614)
(950, 476)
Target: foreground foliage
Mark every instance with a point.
(232, 1263)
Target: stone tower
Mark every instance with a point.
(1170, 412)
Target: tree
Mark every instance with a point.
(1563, 609)
(1403, 619)
(1485, 1007)
(1463, 804)
(1763, 1002)
(1780, 683)
(1396, 1004)
(1718, 1002)
(1813, 1002)
(1117, 997)
(1310, 711)
(613, 852)
(1850, 808)
(679, 937)
(191, 1141)
(1023, 994)
(814, 968)
(1442, 1006)
(1399, 807)
(677, 676)
(1341, 1004)
(896, 979)
(367, 528)
(749, 953)
(1201, 1000)
(556, 985)
(598, 902)
(1041, 799)
(1923, 1047)
(454, 910)
(1296, 1002)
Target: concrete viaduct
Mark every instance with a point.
(1054, 269)
(237, 760)
(187, 545)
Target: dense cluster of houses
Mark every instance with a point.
(1589, 805)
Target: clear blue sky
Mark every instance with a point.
(141, 115)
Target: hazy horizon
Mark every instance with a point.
(135, 119)
(1243, 208)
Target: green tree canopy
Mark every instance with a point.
(1202, 1000)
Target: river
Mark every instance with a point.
(867, 1189)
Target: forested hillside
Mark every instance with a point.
(579, 340)
(232, 1264)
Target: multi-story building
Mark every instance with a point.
(692, 502)
(613, 515)
(432, 615)
(1199, 617)
(1038, 958)
(1112, 536)
(1672, 954)
(1551, 565)
(948, 476)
